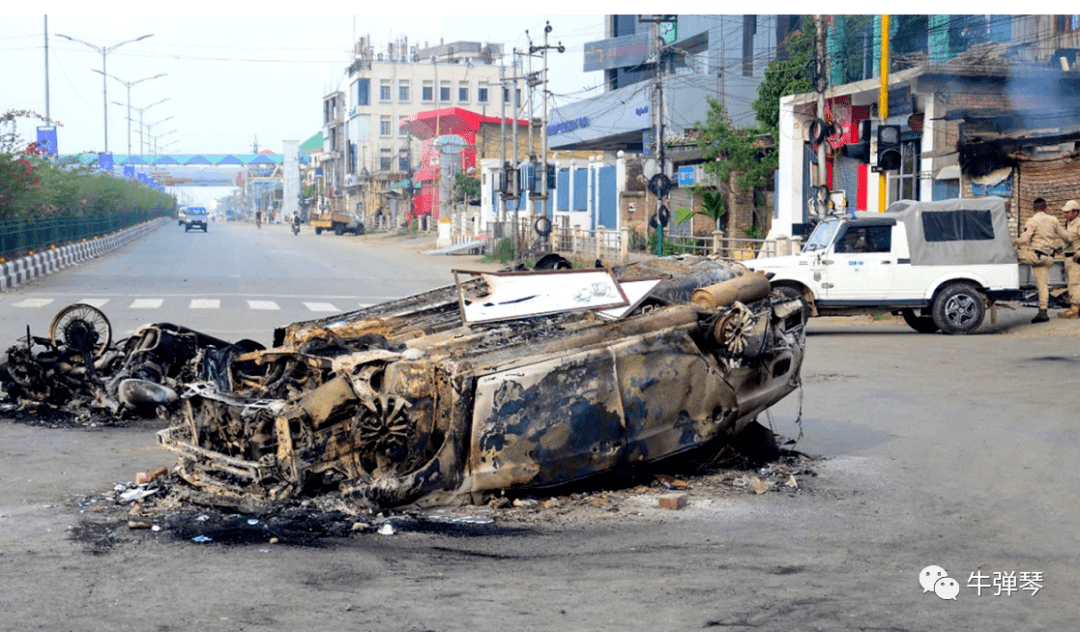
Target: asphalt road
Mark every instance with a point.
(958, 452)
(233, 282)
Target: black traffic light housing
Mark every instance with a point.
(861, 150)
(888, 147)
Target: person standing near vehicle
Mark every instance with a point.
(1041, 231)
(1072, 258)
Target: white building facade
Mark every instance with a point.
(385, 88)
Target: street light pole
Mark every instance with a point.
(104, 50)
(128, 84)
(141, 111)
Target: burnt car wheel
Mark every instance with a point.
(921, 324)
(959, 309)
(81, 326)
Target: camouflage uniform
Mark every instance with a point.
(1072, 259)
(1041, 232)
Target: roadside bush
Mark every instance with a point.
(504, 250)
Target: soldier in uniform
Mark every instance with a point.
(1041, 231)
(1072, 258)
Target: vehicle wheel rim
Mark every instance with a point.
(960, 310)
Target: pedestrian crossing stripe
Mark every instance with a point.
(321, 307)
(146, 303)
(34, 302)
(195, 303)
(95, 302)
(263, 305)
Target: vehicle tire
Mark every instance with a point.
(921, 324)
(790, 292)
(318, 231)
(339, 230)
(959, 309)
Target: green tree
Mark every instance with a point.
(784, 77)
(731, 151)
(466, 188)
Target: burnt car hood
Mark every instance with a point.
(407, 402)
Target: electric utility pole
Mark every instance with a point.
(543, 196)
(660, 183)
(820, 84)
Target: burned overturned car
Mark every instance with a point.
(501, 381)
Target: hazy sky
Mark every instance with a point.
(231, 78)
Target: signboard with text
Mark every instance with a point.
(617, 52)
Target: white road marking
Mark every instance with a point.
(146, 303)
(34, 302)
(96, 302)
(321, 307)
(204, 303)
(263, 305)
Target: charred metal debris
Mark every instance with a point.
(502, 381)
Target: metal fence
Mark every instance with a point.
(17, 236)
(615, 245)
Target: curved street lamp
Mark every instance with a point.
(141, 111)
(128, 84)
(104, 50)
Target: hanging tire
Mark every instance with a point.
(959, 309)
(542, 226)
(817, 131)
(921, 324)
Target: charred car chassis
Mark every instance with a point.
(407, 402)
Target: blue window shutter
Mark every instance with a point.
(581, 189)
(563, 186)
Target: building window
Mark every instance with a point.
(444, 91)
(517, 96)
(482, 93)
(403, 92)
(428, 92)
(749, 30)
(402, 129)
(904, 184)
(463, 92)
(384, 159)
(363, 92)
(384, 90)
(1066, 23)
(384, 126)
(403, 162)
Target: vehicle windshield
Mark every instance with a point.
(822, 235)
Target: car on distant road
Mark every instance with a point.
(195, 217)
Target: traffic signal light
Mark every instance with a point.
(888, 147)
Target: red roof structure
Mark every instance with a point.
(428, 126)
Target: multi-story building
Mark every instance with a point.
(369, 147)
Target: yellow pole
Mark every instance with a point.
(883, 102)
